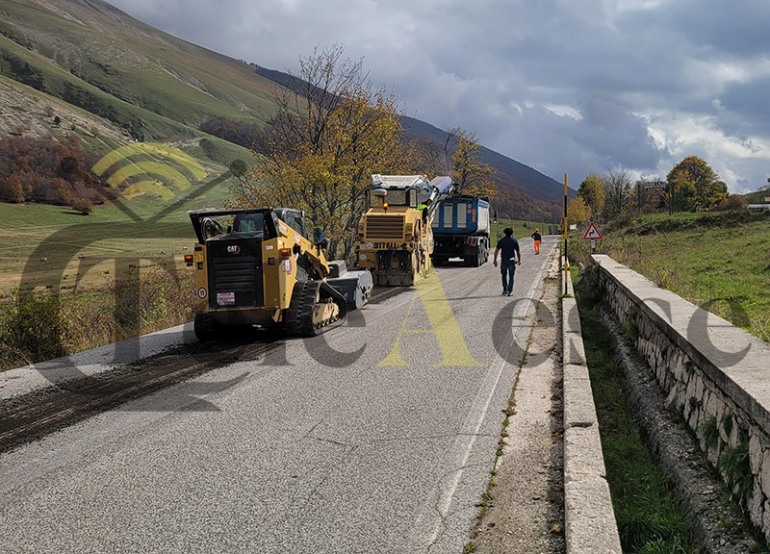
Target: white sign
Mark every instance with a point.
(592, 233)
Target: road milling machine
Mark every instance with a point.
(394, 239)
(258, 267)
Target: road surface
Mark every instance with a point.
(378, 436)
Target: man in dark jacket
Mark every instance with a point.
(509, 247)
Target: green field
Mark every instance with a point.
(719, 261)
(521, 229)
(53, 246)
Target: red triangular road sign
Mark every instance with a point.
(592, 233)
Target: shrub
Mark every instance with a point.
(733, 203)
(38, 328)
(82, 206)
(31, 329)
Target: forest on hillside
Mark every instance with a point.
(48, 171)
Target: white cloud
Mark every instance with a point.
(564, 111)
(741, 162)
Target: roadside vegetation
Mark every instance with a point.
(651, 517)
(41, 326)
(685, 233)
(69, 283)
(719, 261)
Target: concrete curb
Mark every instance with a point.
(590, 524)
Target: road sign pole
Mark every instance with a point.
(564, 229)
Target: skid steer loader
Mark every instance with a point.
(258, 267)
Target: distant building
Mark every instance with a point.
(658, 185)
(649, 193)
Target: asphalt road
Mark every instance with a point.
(377, 436)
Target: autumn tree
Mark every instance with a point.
(592, 192)
(11, 190)
(680, 193)
(578, 210)
(324, 143)
(692, 185)
(47, 170)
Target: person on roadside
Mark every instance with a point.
(537, 238)
(508, 247)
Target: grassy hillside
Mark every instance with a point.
(719, 261)
(148, 82)
(146, 85)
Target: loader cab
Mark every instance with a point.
(381, 197)
(249, 223)
(261, 223)
(294, 219)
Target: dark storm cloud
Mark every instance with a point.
(741, 101)
(556, 84)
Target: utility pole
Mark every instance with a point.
(564, 231)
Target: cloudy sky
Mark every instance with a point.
(564, 86)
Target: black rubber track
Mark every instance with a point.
(299, 317)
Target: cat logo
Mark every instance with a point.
(233, 249)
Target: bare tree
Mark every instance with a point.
(617, 192)
(331, 131)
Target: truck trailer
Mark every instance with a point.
(461, 230)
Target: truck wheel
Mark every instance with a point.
(206, 327)
(476, 261)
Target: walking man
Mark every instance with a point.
(509, 247)
(537, 237)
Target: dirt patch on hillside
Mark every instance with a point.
(25, 112)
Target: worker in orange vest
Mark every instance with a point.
(537, 237)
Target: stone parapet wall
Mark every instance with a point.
(715, 375)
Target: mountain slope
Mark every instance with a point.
(150, 83)
(143, 84)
